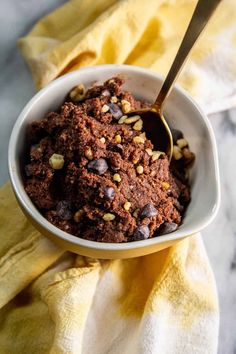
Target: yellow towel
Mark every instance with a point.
(138, 32)
(52, 301)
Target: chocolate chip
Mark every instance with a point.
(179, 174)
(148, 211)
(106, 93)
(142, 233)
(184, 197)
(115, 111)
(63, 210)
(178, 206)
(166, 228)
(115, 147)
(109, 193)
(176, 134)
(98, 166)
(28, 170)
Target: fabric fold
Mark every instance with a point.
(137, 33)
(28, 254)
(74, 304)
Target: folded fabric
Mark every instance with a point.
(58, 302)
(86, 32)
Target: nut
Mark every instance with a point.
(78, 215)
(135, 161)
(77, 93)
(114, 99)
(56, 161)
(165, 185)
(143, 135)
(139, 169)
(182, 143)
(135, 213)
(105, 108)
(103, 140)
(126, 106)
(122, 119)
(138, 139)
(108, 217)
(156, 155)
(127, 206)
(118, 139)
(116, 177)
(131, 120)
(149, 152)
(153, 173)
(177, 154)
(88, 153)
(138, 125)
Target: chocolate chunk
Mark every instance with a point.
(141, 233)
(178, 206)
(176, 134)
(98, 166)
(119, 148)
(184, 197)
(166, 228)
(148, 211)
(109, 193)
(115, 147)
(63, 210)
(28, 170)
(106, 93)
(115, 111)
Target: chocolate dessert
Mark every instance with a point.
(92, 172)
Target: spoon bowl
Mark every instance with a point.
(157, 129)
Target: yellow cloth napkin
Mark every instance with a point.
(52, 301)
(145, 33)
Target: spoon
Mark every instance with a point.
(153, 119)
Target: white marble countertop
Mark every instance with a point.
(220, 237)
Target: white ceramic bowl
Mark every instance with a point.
(182, 113)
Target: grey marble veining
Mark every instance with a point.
(16, 88)
(220, 236)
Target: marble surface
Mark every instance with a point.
(16, 88)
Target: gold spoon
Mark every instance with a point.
(153, 118)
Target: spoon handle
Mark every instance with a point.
(202, 13)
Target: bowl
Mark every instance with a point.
(181, 112)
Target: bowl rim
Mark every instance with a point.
(32, 210)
